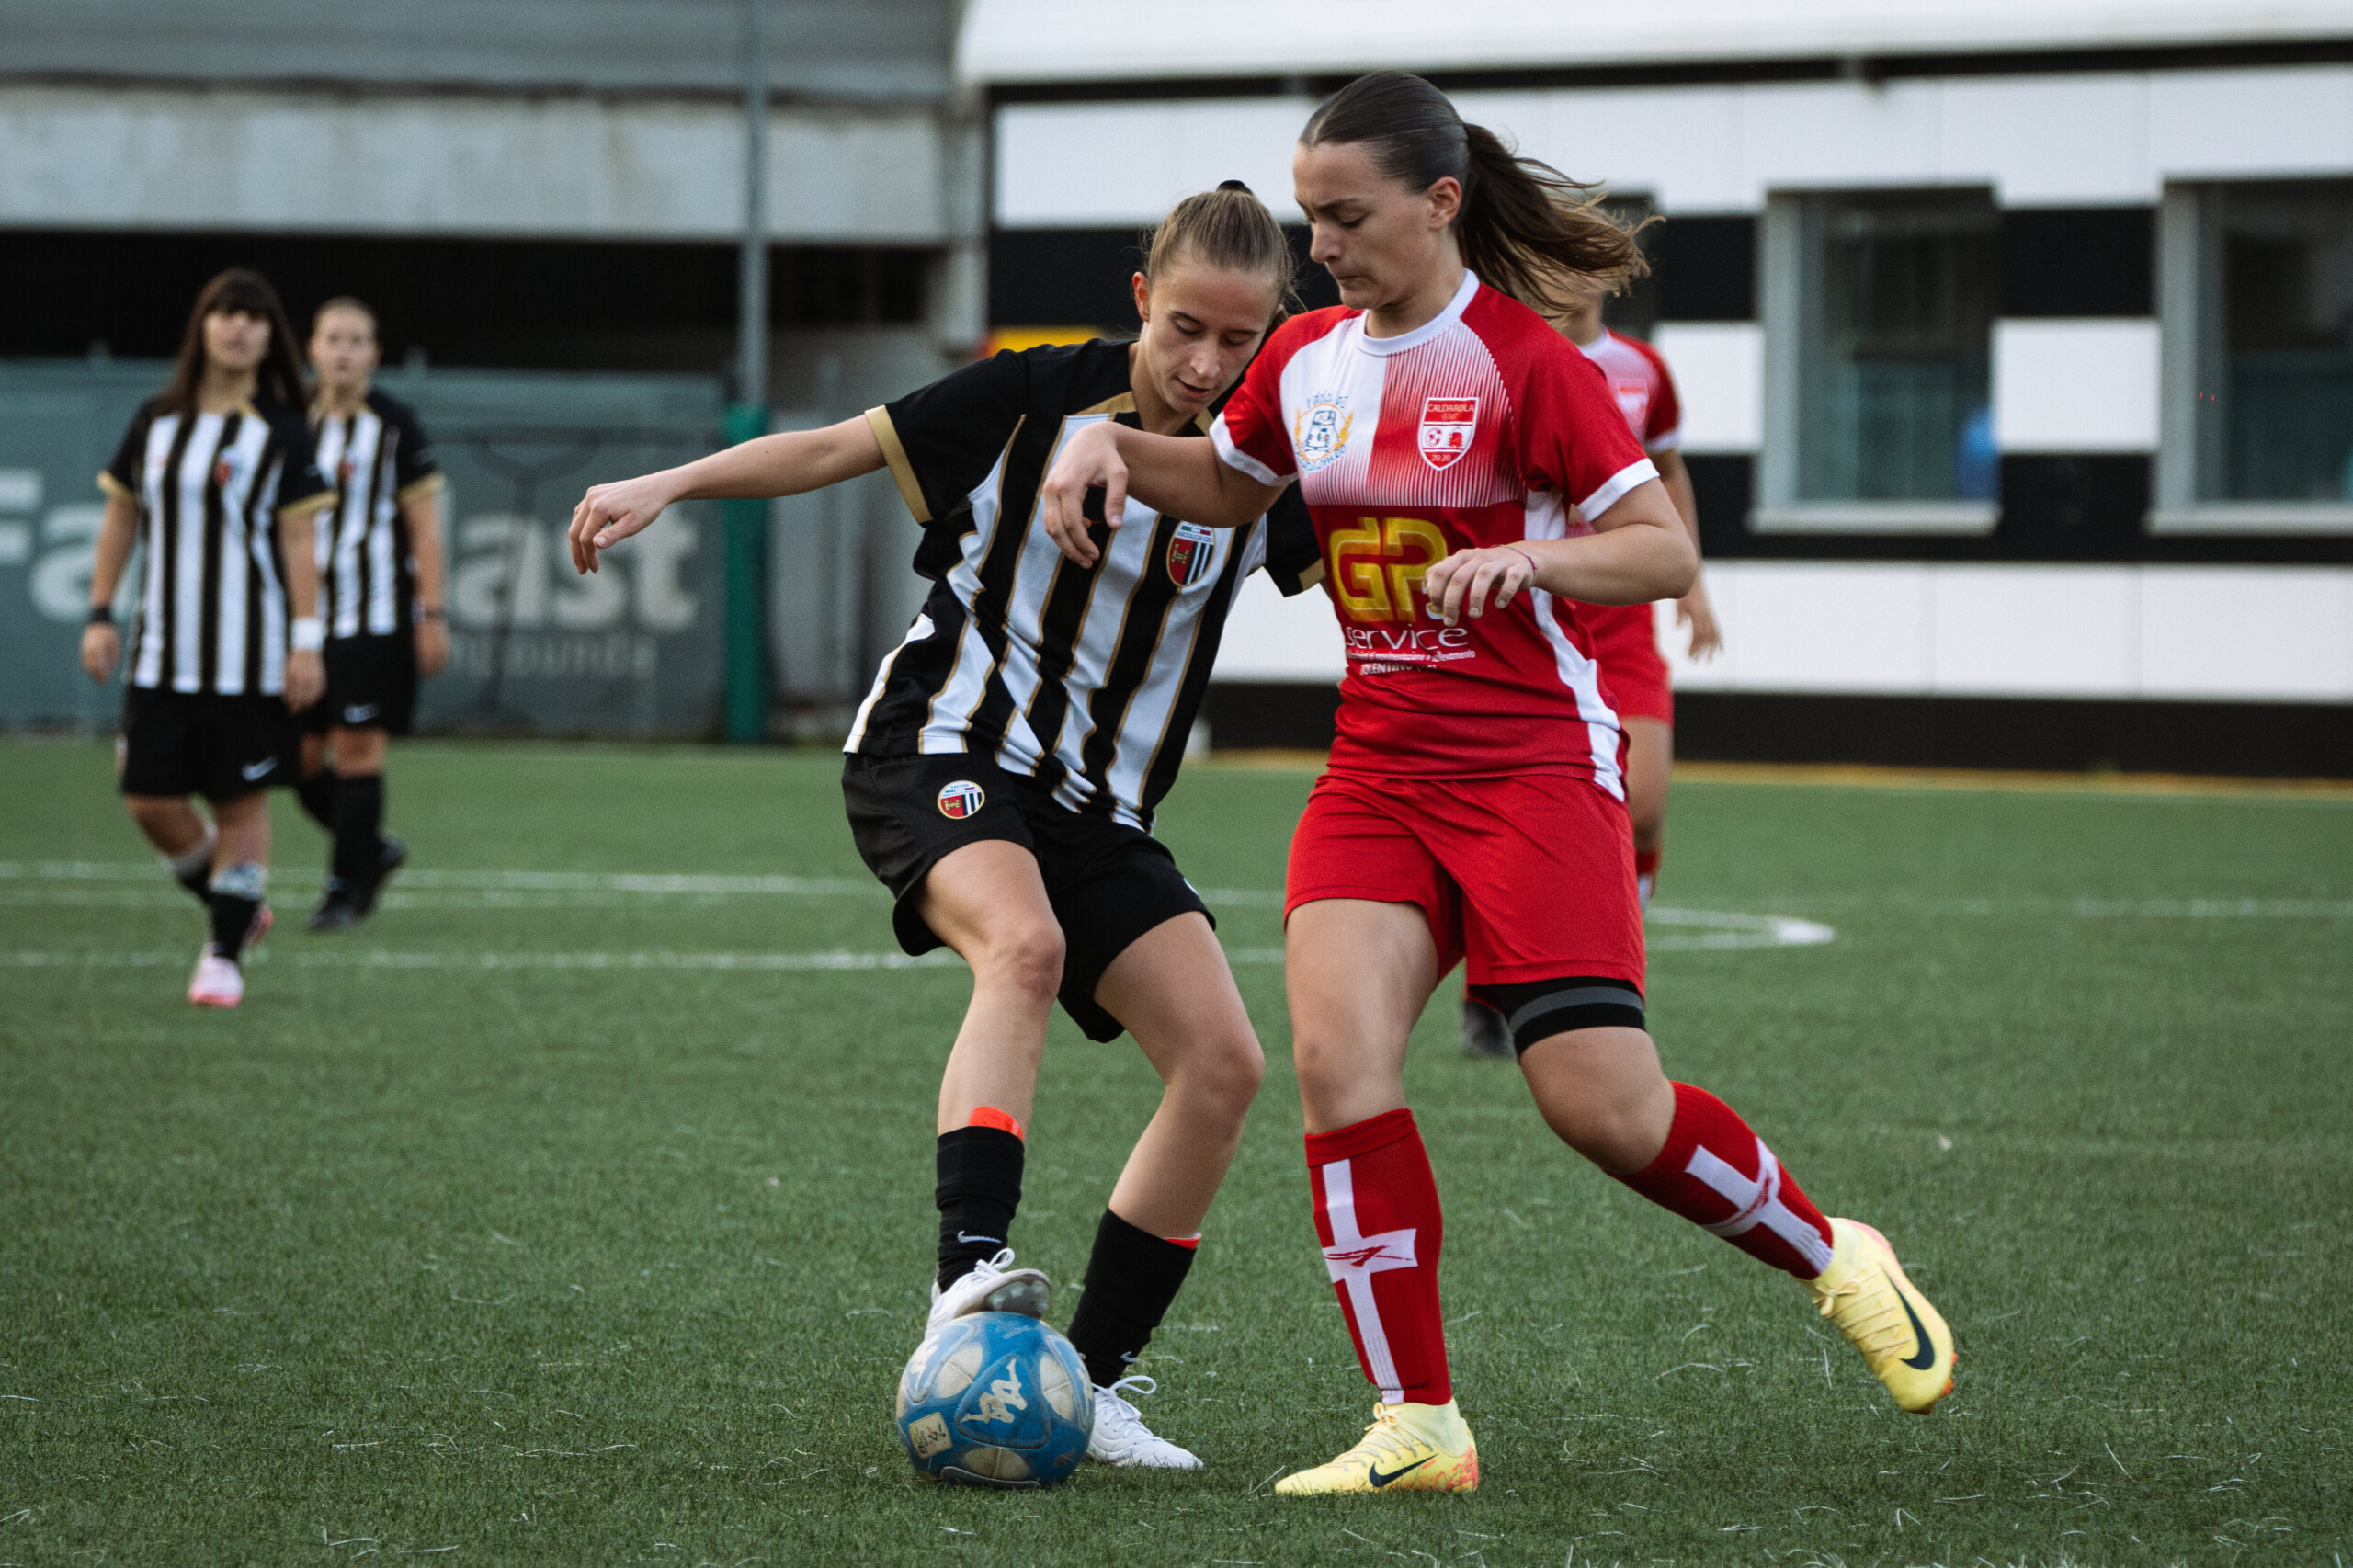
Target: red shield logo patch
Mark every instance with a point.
(1447, 425)
(1190, 550)
(1635, 403)
(961, 798)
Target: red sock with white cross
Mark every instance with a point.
(1377, 1214)
(1720, 1176)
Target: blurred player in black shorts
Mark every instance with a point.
(215, 478)
(380, 594)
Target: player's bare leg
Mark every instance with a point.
(1603, 1092)
(1650, 768)
(182, 835)
(1358, 973)
(1171, 989)
(987, 901)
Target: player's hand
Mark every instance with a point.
(1089, 460)
(610, 513)
(306, 678)
(1694, 611)
(101, 646)
(432, 647)
(1467, 582)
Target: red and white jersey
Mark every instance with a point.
(1638, 378)
(1479, 428)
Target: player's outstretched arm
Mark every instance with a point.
(1638, 551)
(1185, 478)
(789, 464)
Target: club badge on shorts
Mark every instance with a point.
(961, 798)
(1191, 549)
(1447, 425)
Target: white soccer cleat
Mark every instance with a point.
(217, 983)
(1121, 1439)
(992, 1286)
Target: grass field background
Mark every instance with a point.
(465, 1240)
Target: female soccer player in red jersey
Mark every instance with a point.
(1624, 638)
(1442, 435)
(1003, 772)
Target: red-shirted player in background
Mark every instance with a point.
(1625, 636)
(1441, 435)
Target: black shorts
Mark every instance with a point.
(1108, 884)
(371, 685)
(184, 743)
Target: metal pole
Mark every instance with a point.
(745, 523)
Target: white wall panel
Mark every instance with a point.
(1720, 373)
(1270, 638)
(1250, 141)
(2076, 386)
(2273, 632)
(2221, 123)
(2049, 141)
(2034, 632)
(151, 158)
(1822, 627)
(1065, 165)
(1839, 134)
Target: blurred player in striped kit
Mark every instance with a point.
(215, 480)
(380, 594)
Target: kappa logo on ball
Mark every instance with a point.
(1191, 549)
(961, 798)
(1447, 425)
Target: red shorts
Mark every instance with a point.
(1633, 672)
(1528, 877)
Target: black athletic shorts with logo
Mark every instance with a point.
(191, 743)
(371, 685)
(1108, 884)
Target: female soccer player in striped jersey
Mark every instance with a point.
(380, 592)
(215, 478)
(1442, 434)
(1002, 771)
(1625, 636)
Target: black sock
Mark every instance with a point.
(1131, 1280)
(236, 899)
(980, 1187)
(317, 794)
(358, 821)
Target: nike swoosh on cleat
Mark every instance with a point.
(1372, 1472)
(1925, 1356)
(256, 770)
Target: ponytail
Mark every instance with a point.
(1227, 228)
(1523, 223)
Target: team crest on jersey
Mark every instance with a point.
(348, 469)
(224, 473)
(961, 798)
(1321, 431)
(1191, 551)
(1635, 403)
(1447, 425)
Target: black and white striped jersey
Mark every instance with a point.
(376, 458)
(211, 489)
(1085, 679)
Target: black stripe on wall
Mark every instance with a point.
(2079, 261)
(2267, 740)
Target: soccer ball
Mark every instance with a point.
(995, 1399)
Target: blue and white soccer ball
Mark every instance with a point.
(995, 1399)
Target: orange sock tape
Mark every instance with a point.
(989, 1116)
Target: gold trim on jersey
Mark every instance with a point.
(423, 484)
(894, 453)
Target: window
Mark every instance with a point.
(1880, 313)
(2258, 323)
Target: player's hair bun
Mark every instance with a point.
(1233, 184)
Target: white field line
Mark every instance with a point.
(378, 958)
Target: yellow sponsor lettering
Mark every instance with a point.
(1375, 570)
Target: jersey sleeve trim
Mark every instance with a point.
(307, 504)
(426, 485)
(1613, 489)
(1234, 457)
(894, 453)
(113, 487)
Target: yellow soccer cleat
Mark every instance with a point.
(1904, 1341)
(1408, 1448)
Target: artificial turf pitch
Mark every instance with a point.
(463, 1239)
